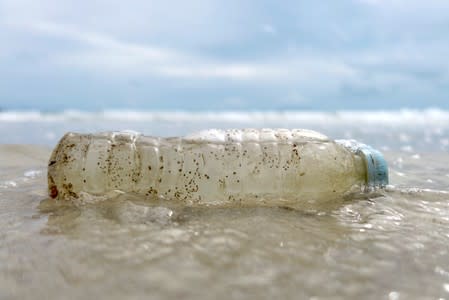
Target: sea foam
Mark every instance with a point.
(403, 117)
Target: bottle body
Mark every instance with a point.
(213, 167)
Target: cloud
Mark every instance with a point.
(302, 51)
(186, 23)
(103, 53)
(267, 28)
(108, 53)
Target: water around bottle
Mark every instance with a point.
(392, 244)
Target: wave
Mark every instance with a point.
(402, 117)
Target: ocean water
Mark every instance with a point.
(390, 245)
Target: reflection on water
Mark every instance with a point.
(392, 246)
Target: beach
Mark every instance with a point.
(388, 245)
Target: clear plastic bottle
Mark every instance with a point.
(215, 167)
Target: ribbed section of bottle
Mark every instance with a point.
(271, 167)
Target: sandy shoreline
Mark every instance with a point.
(14, 155)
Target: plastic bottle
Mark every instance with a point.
(249, 166)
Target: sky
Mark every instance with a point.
(224, 55)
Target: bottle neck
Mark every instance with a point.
(374, 163)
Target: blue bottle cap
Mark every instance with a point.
(376, 166)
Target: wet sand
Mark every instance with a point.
(393, 246)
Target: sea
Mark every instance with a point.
(392, 244)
